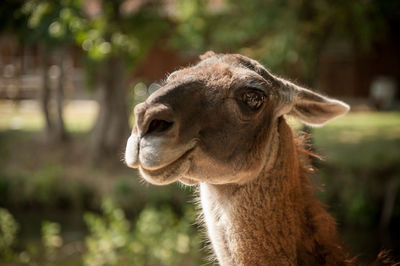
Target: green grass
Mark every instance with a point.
(356, 127)
(367, 139)
(361, 154)
(79, 116)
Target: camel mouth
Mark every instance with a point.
(168, 173)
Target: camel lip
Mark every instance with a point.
(169, 173)
(131, 155)
(170, 167)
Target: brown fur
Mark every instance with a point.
(257, 202)
(277, 221)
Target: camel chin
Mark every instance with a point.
(167, 174)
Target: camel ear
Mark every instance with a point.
(314, 109)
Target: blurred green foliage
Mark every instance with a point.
(11, 250)
(44, 187)
(108, 236)
(158, 237)
(100, 35)
(51, 239)
(8, 234)
(110, 32)
(282, 34)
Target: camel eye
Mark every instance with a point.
(253, 99)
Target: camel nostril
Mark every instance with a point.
(159, 126)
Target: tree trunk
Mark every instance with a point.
(60, 133)
(112, 125)
(55, 129)
(389, 202)
(45, 92)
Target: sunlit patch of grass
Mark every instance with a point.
(20, 116)
(360, 139)
(79, 116)
(365, 139)
(356, 127)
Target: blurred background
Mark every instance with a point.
(71, 72)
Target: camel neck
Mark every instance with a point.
(256, 223)
(271, 220)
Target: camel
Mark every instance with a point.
(221, 125)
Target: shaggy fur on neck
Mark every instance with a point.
(274, 219)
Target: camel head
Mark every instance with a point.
(216, 122)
